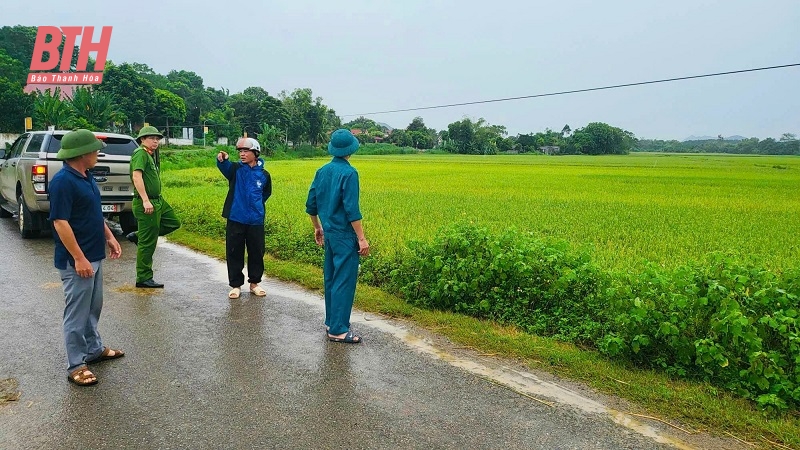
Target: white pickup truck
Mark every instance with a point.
(27, 168)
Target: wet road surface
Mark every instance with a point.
(205, 372)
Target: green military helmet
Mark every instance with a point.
(148, 131)
(77, 143)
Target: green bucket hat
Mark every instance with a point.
(342, 143)
(77, 143)
(148, 131)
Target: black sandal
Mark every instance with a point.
(348, 338)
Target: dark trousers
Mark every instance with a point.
(239, 236)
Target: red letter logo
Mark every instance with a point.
(69, 35)
(40, 46)
(100, 47)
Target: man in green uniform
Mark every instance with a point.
(154, 215)
(333, 207)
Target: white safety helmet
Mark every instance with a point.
(247, 143)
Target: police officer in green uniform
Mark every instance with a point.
(154, 215)
(333, 207)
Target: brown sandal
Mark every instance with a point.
(108, 353)
(82, 376)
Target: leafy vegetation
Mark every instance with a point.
(91, 109)
(50, 110)
(731, 324)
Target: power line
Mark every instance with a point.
(575, 91)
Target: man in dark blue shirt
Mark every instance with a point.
(333, 207)
(81, 235)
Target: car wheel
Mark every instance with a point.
(26, 220)
(128, 223)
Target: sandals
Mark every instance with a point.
(108, 353)
(82, 376)
(258, 291)
(348, 338)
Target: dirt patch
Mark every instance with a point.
(9, 391)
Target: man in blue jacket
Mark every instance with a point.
(249, 187)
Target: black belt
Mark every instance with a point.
(152, 197)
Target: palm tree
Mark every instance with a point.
(271, 138)
(49, 110)
(93, 109)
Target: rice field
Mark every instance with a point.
(626, 209)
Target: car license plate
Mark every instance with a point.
(110, 208)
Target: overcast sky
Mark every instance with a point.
(365, 56)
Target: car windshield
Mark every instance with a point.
(114, 145)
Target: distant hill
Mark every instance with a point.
(387, 126)
(712, 138)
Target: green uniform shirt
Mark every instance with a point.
(333, 197)
(141, 160)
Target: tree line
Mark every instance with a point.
(786, 145)
(478, 137)
(133, 94)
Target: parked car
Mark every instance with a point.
(27, 168)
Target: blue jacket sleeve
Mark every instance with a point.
(226, 168)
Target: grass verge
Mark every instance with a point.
(698, 406)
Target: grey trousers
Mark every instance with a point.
(83, 298)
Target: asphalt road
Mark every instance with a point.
(205, 372)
